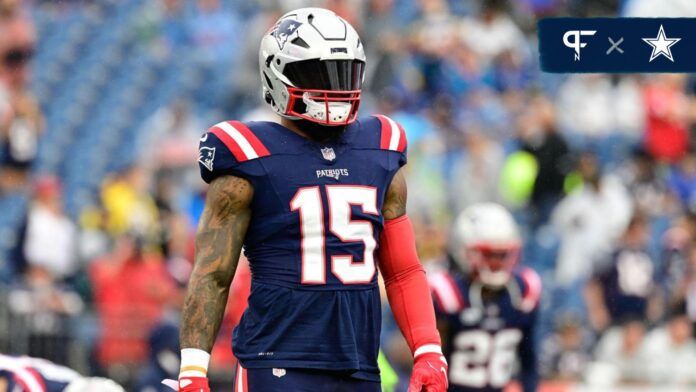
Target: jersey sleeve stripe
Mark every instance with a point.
(532, 292)
(402, 139)
(395, 135)
(230, 142)
(256, 144)
(239, 139)
(392, 135)
(446, 293)
(30, 381)
(457, 293)
(385, 132)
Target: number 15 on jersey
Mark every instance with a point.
(340, 199)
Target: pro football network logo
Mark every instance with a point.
(206, 156)
(576, 43)
(284, 29)
(328, 153)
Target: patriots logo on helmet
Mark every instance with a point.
(284, 30)
(206, 155)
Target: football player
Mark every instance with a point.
(317, 201)
(26, 374)
(487, 308)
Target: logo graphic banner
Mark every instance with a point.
(617, 45)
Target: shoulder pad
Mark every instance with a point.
(392, 135)
(239, 140)
(530, 287)
(447, 296)
(226, 145)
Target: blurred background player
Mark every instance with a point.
(312, 199)
(487, 307)
(26, 374)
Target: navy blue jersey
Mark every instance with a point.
(315, 224)
(486, 335)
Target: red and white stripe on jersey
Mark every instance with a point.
(532, 289)
(240, 382)
(240, 140)
(28, 378)
(392, 136)
(446, 293)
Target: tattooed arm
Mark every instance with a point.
(395, 200)
(218, 244)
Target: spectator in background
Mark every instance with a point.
(668, 119)
(383, 43)
(41, 310)
(131, 290)
(214, 30)
(175, 130)
(683, 287)
(539, 137)
(128, 205)
(163, 360)
(493, 32)
(620, 356)
(21, 121)
(588, 220)
(175, 34)
(511, 71)
(565, 355)
(625, 287)
(672, 350)
(51, 237)
(434, 36)
(585, 109)
(162, 25)
(682, 181)
(647, 185)
(475, 175)
(676, 248)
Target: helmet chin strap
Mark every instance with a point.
(338, 111)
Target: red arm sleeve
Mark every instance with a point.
(407, 288)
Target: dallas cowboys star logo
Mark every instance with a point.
(661, 45)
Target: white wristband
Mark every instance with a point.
(427, 348)
(194, 363)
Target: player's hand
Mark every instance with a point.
(429, 374)
(188, 384)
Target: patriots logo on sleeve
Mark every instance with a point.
(206, 155)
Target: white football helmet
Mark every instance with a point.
(312, 66)
(487, 243)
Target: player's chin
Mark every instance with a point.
(320, 132)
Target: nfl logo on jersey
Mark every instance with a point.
(328, 153)
(278, 372)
